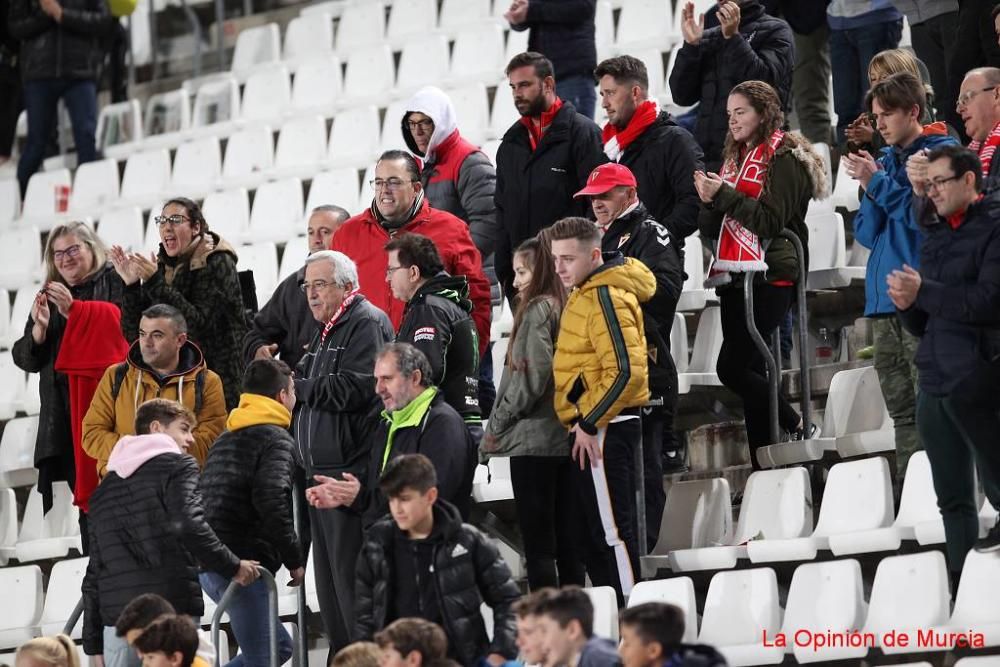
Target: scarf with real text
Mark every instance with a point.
(344, 305)
(987, 148)
(616, 141)
(535, 132)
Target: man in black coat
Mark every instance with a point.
(246, 486)
(336, 406)
(61, 55)
(748, 45)
(628, 228)
(148, 532)
(424, 562)
(542, 160)
(660, 154)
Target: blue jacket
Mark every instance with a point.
(884, 224)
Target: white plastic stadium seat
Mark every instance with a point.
(22, 588)
(61, 596)
(8, 525)
(698, 513)
(39, 207)
(362, 24)
(409, 18)
(32, 403)
(678, 591)
(277, 211)
(495, 485)
(705, 355)
(20, 258)
(293, 257)
(976, 605)
(318, 85)
(392, 127)
(301, 147)
(168, 116)
(370, 73)
(216, 106)
(424, 62)
(828, 265)
(5, 318)
(12, 386)
(10, 201)
(457, 15)
(740, 607)
(20, 311)
(605, 611)
(478, 54)
(122, 226)
(857, 497)
(503, 114)
(337, 186)
(679, 343)
(255, 47)
(197, 168)
(693, 293)
(604, 29)
(249, 157)
(354, 137)
(119, 128)
(49, 535)
(306, 37)
(643, 23)
(95, 186)
(267, 96)
(262, 259)
(146, 178)
(668, 96)
(228, 213)
(845, 190)
(472, 111)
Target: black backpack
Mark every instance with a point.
(122, 370)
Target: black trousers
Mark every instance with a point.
(545, 499)
(976, 45)
(934, 43)
(741, 366)
(606, 493)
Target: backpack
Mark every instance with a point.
(121, 370)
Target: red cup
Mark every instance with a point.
(62, 198)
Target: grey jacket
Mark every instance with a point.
(524, 420)
(924, 10)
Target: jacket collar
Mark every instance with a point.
(453, 288)
(556, 131)
(191, 361)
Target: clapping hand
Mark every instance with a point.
(145, 267)
(60, 295)
(518, 12)
(729, 17)
(123, 265)
(332, 493)
(860, 132)
(904, 286)
(707, 185)
(916, 172)
(861, 166)
(52, 8)
(40, 316)
(691, 29)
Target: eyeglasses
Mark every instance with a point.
(966, 97)
(71, 252)
(172, 220)
(389, 271)
(391, 184)
(937, 183)
(425, 125)
(318, 286)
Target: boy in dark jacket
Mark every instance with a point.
(424, 562)
(148, 532)
(651, 637)
(566, 619)
(246, 487)
(411, 642)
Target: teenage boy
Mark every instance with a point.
(885, 224)
(600, 369)
(530, 645)
(423, 562)
(651, 635)
(145, 609)
(411, 642)
(169, 641)
(566, 621)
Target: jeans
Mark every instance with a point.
(852, 50)
(248, 616)
(117, 652)
(41, 98)
(580, 91)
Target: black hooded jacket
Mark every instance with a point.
(67, 50)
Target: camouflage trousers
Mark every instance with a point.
(895, 349)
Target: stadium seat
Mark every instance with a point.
(19, 312)
(423, 62)
(740, 606)
(504, 114)
(856, 422)
(678, 591)
(216, 106)
(605, 611)
(495, 484)
(262, 259)
(825, 597)
(10, 201)
(43, 196)
(228, 214)
(917, 505)
(146, 178)
(151, 242)
(337, 186)
(122, 226)
(249, 157)
(845, 190)
(367, 195)
(255, 47)
(705, 355)
(318, 85)
(777, 504)
(979, 661)
(20, 259)
(392, 127)
(119, 128)
(370, 73)
(643, 23)
(52, 534)
(698, 513)
(168, 117)
(362, 24)
(857, 497)
(909, 593)
(472, 110)
(410, 18)
(293, 257)
(8, 525)
(604, 30)
(823, 150)
(22, 589)
(61, 596)
(277, 212)
(652, 58)
(679, 343)
(332, 8)
(517, 42)
(301, 147)
(5, 319)
(354, 138)
(312, 597)
(828, 265)
(267, 96)
(976, 605)
(458, 15)
(95, 186)
(694, 296)
(197, 168)
(490, 148)
(32, 403)
(478, 54)
(307, 37)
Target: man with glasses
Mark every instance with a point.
(952, 304)
(400, 206)
(336, 408)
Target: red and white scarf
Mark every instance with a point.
(344, 305)
(535, 132)
(739, 250)
(616, 141)
(987, 148)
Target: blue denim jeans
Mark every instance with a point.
(581, 91)
(41, 98)
(850, 52)
(248, 618)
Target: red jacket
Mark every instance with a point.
(362, 239)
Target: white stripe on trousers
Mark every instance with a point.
(604, 505)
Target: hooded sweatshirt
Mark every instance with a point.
(133, 450)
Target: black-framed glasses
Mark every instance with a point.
(937, 183)
(966, 97)
(172, 220)
(391, 184)
(71, 252)
(426, 125)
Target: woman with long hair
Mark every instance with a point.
(195, 272)
(767, 180)
(524, 425)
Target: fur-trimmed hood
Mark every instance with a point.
(803, 151)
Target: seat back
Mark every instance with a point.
(197, 165)
(741, 605)
(301, 142)
(254, 47)
(63, 520)
(123, 227)
(277, 211)
(828, 595)
(228, 213)
(605, 611)
(307, 36)
(119, 123)
(354, 137)
(318, 83)
(20, 262)
(423, 62)
(22, 588)
(42, 198)
(698, 513)
(679, 343)
(909, 593)
(216, 101)
(855, 403)
(827, 243)
(643, 20)
(293, 257)
(707, 341)
(412, 17)
(267, 94)
(167, 112)
(472, 111)
(249, 152)
(337, 186)
(147, 174)
(62, 595)
(12, 386)
(462, 13)
(678, 591)
(95, 185)
(777, 504)
(857, 496)
(361, 24)
(478, 53)
(978, 591)
(392, 126)
(369, 71)
(918, 502)
(10, 201)
(262, 259)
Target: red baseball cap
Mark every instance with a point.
(606, 176)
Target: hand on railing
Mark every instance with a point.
(248, 572)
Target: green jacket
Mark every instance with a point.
(795, 175)
(524, 420)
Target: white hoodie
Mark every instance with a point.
(430, 101)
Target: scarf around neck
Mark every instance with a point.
(349, 298)
(391, 226)
(406, 417)
(616, 141)
(986, 149)
(536, 132)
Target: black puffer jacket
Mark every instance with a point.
(563, 30)
(247, 484)
(67, 50)
(705, 72)
(957, 312)
(536, 187)
(438, 322)
(54, 444)
(663, 159)
(467, 571)
(148, 535)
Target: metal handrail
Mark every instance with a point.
(299, 655)
(74, 618)
(272, 615)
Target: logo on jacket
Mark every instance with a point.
(624, 239)
(459, 550)
(559, 170)
(662, 235)
(424, 333)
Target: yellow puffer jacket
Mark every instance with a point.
(600, 360)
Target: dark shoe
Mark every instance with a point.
(674, 461)
(991, 542)
(806, 432)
